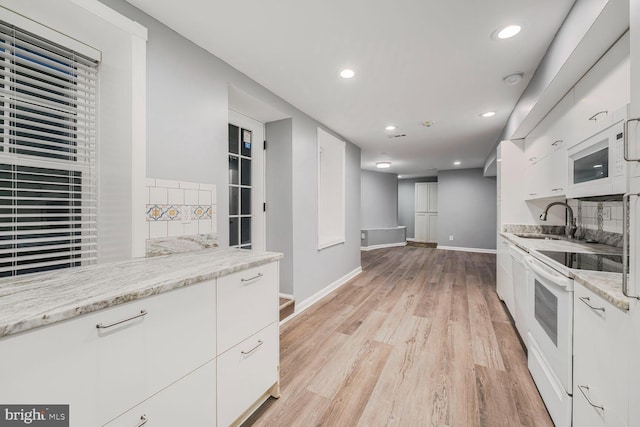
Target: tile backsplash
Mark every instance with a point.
(599, 216)
(175, 209)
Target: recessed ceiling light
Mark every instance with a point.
(347, 74)
(390, 127)
(488, 114)
(383, 165)
(512, 79)
(456, 163)
(427, 123)
(509, 31)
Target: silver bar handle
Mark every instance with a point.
(594, 117)
(625, 245)
(587, 301)
(625, 139)
(557, 142)
(143, 420)
(257, 276)
(533, 159)
(557, 189)
(103, 326)
(248, 352)
(586, 396)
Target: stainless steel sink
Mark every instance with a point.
(538, 236)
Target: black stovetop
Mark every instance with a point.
(587, 261)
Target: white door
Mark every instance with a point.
(422, 196)
(421, 227)
(247, 220)
(433, 197)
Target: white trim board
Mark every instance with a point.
(287, 296)
(456, 248)
(322, 293)
(384, 245)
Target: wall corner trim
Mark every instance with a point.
(382, 246)
(322, 293)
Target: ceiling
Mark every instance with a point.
(415, 61)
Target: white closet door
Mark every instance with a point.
(433, 197)
(433, 227)
(422, 196)
(421, 227)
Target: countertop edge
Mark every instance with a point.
(605, 285)
(94, 304)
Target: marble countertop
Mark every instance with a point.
(606, 285)
(31, 301)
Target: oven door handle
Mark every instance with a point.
(555, 278)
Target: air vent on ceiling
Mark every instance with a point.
(400, 135)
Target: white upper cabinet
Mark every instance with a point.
(603, 90)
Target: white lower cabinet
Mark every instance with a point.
(190, 401)
(167, 336)
(154, 359)
(246, 374)
(600, 362)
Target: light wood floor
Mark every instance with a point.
(418, 339)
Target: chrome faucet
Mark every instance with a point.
(570, 228)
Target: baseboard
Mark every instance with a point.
(385, 245)
(456, 248)
(322, 293)
(410, 239)
(287, 296)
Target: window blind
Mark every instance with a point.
(48, 137)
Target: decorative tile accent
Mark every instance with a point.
(180, 210)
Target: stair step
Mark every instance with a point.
(287, 307)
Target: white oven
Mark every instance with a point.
(550, 342)
(596, 165)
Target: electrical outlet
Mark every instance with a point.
(451, 237)
(362, 236)
(606, 213)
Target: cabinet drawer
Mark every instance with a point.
(246, 372)
(600, 360)
(141, 356)
(54, 364)
(247, 302)
(189, 402)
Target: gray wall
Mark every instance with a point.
(187, 114)
(466, 209)
(407, 204)
(279, 217)
(379, 199)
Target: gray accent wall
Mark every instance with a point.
(378, 200)
(187, 115)
(466, 209)
(407, 203)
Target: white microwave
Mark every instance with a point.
(596, 165)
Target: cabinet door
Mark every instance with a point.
(141, 356)
(189, 402)
(247, 302)
(604, 89)
(246, 373)
(422, 196)
(558, 169)
(421, 227)
(600, 361)
(433, 227)
(504, 275)
(53, 364)
(433, 197)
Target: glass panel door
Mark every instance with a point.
(240, 187)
